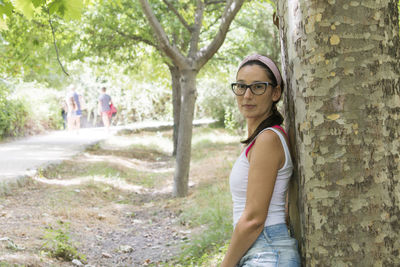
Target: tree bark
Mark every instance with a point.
(341, 66)
(176, 103)
(182, 166)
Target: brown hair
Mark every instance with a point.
(276, 117)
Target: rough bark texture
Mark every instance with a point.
(341, 64)
(176, 102)
(188, 81)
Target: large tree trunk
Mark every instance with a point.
(176, 103)
(188, 82)
(341, 62)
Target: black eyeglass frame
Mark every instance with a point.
(249, 86)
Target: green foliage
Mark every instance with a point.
(13, 116)
(251, 31)
(28, 48)
(216, 100)
(58, 244)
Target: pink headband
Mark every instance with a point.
(268, 62)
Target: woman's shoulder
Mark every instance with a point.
(268, 137)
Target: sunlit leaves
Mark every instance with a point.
(6, 8)
(25, 7)
(37, 3)
(69, 9)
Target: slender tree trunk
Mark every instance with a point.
(176, 103)
(188, 82)
(341, 62)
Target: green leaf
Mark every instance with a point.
(6, 8)
(26, 7)
(73, 9)
(55, 7)
(37, 3)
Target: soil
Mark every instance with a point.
(113, 215)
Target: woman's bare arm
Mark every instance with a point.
(265, 159)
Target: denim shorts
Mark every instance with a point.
(274, 247)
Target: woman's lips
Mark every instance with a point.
(247, 106)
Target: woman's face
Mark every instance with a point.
(256, 107)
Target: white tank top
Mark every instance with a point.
(238, 184)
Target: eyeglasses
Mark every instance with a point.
(257, 88)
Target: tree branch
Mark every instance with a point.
(170, 51)
(214, 2)
(214, 22)
(198, 20)
(231, 9)
(181, 19)
(134, 37)
(55, 44)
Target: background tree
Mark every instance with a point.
(130, 40)
(341, 64)
(189, 65)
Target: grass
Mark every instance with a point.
(58, 243)
(211, 210)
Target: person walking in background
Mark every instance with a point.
(74, 110)
(64, 112)
(260, 176)
(104, 107)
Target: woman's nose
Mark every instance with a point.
(248, 93)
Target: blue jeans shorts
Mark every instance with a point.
(274, 247)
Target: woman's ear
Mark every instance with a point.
(276, 93)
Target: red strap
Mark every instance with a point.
(280, 128)
(275, 126)
(248, 149)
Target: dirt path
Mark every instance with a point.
(113, 203)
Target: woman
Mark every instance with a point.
(260, 176)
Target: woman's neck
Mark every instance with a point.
(252, 124)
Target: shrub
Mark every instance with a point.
(13, 115)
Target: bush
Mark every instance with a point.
(13, 116)
(216, 100)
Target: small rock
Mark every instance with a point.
(106, 255)
(77, 262)
(185, 232)
(101, 216)
(125, 249)
(77, 190)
